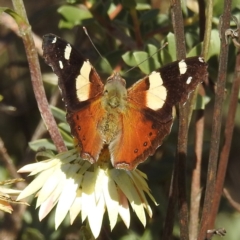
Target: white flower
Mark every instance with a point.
(76, 186)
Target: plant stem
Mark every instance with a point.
(217, 117)
(26, 34)
(224, 156)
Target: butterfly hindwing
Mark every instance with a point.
(83, 124)
(142, 132)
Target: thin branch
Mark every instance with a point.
(223, 161)
(178, 26)
(196, 177)
(180, 165)
(7, 160)
(50, 123)
(217, 116)
(208, 28)
(170, 216)
(205, 35)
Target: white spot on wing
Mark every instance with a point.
(54, 40)
(182, 67)
(189, 80)
(60, 64)
(200, 59)
(157, 93)
(67, 52)
(82, 82)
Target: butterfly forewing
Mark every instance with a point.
(78, 80)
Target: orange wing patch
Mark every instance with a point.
(84, 123)
(142, 133)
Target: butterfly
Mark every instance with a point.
(131, 123)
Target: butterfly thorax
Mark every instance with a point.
(115, 93)
(114, 102)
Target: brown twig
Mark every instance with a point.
(26, 34)
(196, 176)
(228, 133)
(180, 165)
(169, 220)
(8, 161)
(202, 18)
(205, 24)
(178, 26)
(217, 115)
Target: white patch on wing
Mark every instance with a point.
(189, 80)
(60, 64)
(82, 82)
(182, 67)
(67, 52)
(200, 59)
(54, 40)
(157, 93)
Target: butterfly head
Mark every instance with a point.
(115, 92)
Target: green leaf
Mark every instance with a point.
(65, 127)
(214, 47)
(143, 6)
(201, 102)
(146, 64)
(129, 59)
(58, 114)
(73, 16)
(42, 143)
(196, 51)
(68, 140)
(140, 56)
(19, 20)
(168, 54)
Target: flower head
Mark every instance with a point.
(76, 186)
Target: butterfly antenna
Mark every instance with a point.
(86, 32)
(163, 46)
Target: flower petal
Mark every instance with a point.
(76, 206)
(128, 188)
(123, 208)
(49, 186)
(88, 195)
(36, 184)
(95, 217)
(65, 200)
(99, 183)
(111, 199)
(46, 207)
(51, 201)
